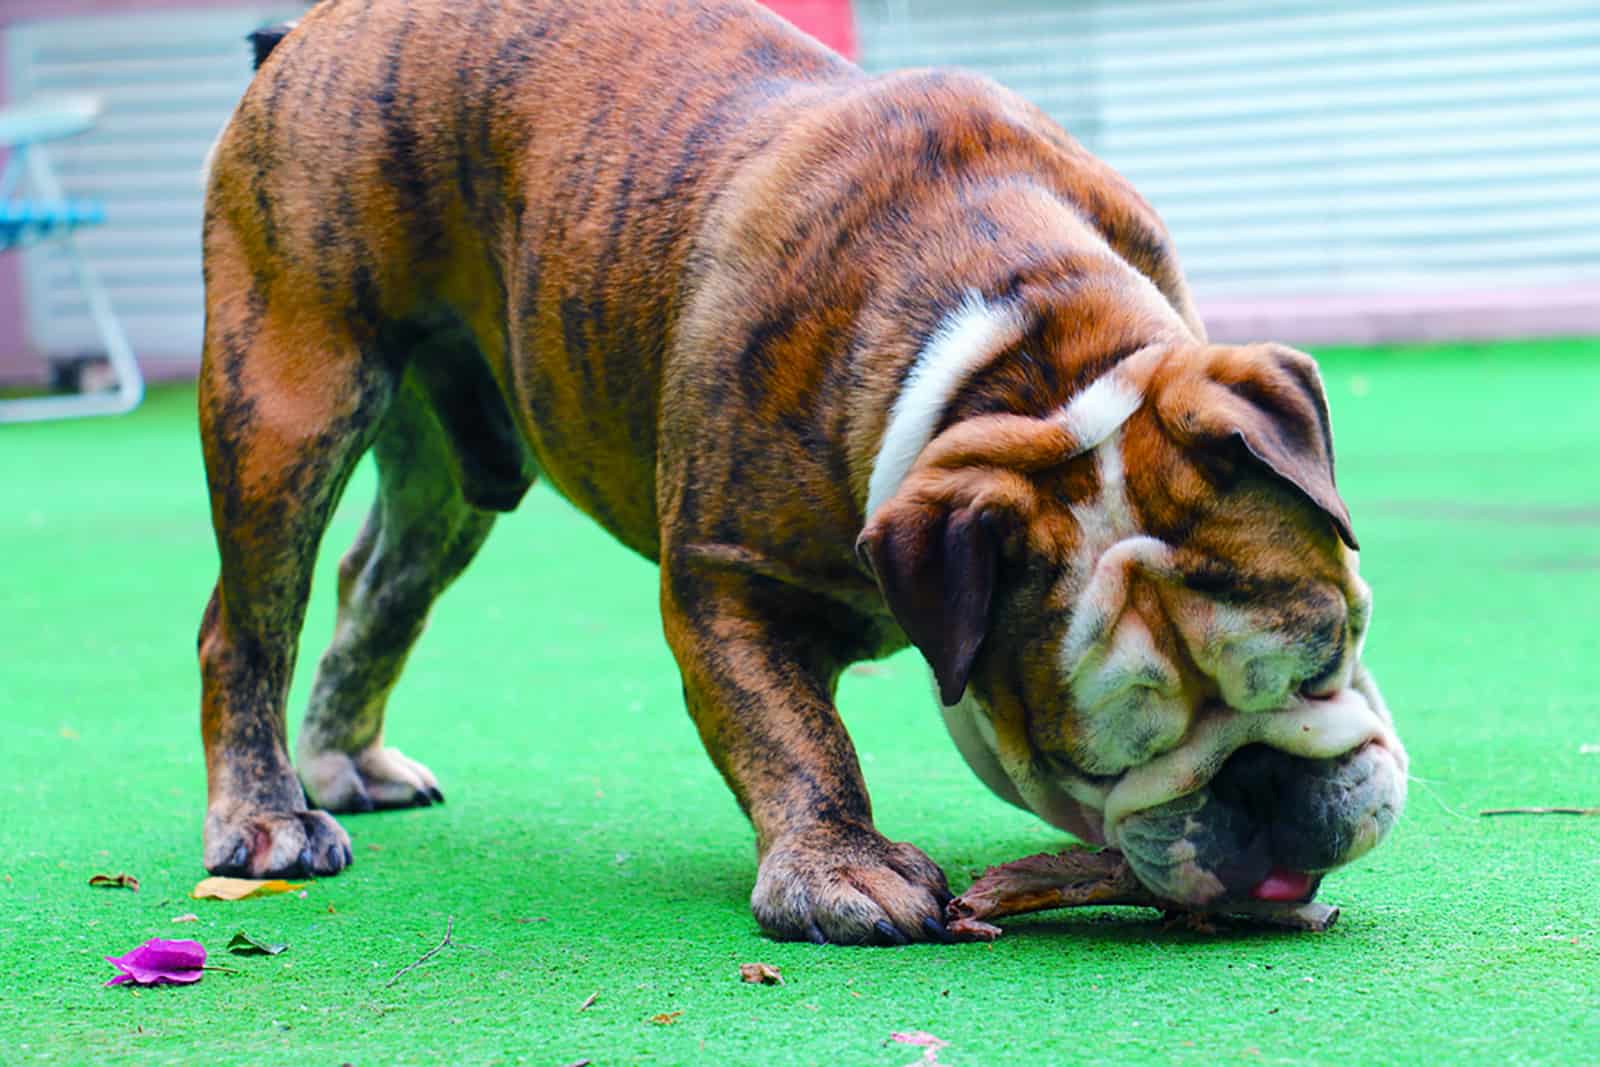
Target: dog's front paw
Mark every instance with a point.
(850, 886)
(246, 843)
(373, 778)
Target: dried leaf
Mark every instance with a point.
(760, 974)
(160, 962)
(119, 880)
(666, 1018)
(242, 944)
(240, 888)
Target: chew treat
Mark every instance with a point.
(1084, 878)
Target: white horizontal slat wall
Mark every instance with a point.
(168, 82)
(1370, 146)
(1296, 149)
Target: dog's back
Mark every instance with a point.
(524, 177)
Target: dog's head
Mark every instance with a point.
(1145, 621)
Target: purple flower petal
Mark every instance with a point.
(159, 962)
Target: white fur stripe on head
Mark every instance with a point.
(965, 339)
(1100, 410)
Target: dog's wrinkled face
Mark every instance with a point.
(1146, 624)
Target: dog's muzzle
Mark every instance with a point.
(1250, 804)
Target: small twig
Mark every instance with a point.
(219, 967)
(589, 1000)
(449, 923)
(1540, 811)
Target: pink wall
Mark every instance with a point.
(829, 21)
(28, 10)
(12, 345)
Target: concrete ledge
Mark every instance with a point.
(1304, 321)
(1406, 317)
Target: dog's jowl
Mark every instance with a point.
(859, 361)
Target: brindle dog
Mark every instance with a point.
(750, 309)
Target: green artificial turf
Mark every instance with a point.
(588, 847)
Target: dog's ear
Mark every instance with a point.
(1269, 399)
(936, 565)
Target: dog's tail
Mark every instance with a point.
(265, 39)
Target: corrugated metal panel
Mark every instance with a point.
(1309, 147)
(168, 82)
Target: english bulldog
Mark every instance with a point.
(860, 361)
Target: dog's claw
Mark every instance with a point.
(890, 933)
(815, 935)
(935, 930)
(437, 797)
(240, 859)
(421, 799)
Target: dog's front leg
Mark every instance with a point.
(758, 674)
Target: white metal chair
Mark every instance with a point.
(48, 215)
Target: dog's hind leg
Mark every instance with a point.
(420, 534)
(288, 402)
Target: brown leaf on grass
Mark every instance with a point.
(240, 888)
(760, 974)
(242, 944)
(666, 1018)
(119, 880)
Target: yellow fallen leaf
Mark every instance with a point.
(666, 1018)
(240, 888)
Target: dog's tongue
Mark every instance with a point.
(1285, 885)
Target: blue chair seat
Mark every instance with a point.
(48, 214)
(26, 221)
